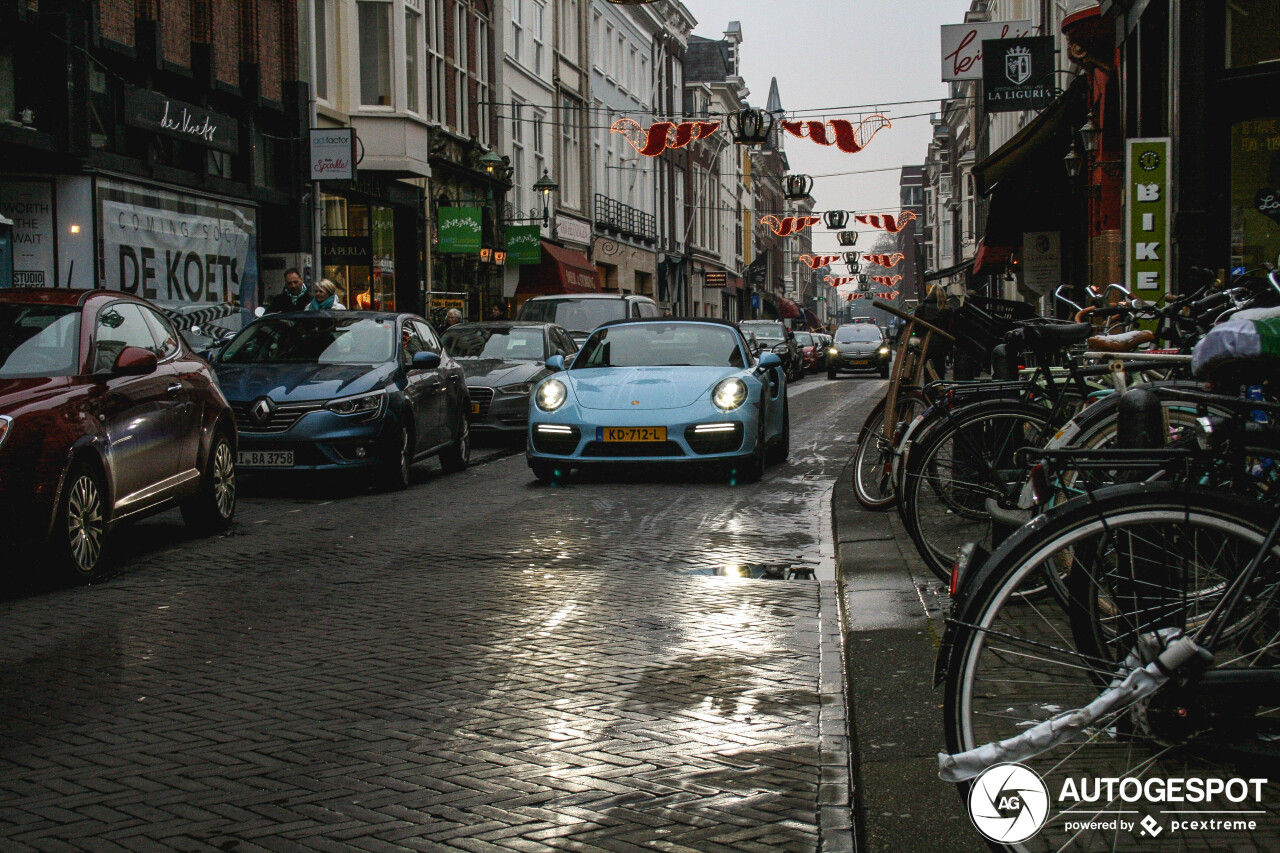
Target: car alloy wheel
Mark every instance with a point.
(224, 480)
(85, 523)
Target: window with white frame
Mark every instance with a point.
(515, 44)
(597, 30)
(568, 29)
(631, 69)
(646, 85)
(461, 57)
(539, 130)
(436, 79)
(322, 11)
(607, 59)
(412, 55)
(484, 109)
(537, 26)
(620, 58)
(518, 175)
(571, 153)
(373, 21)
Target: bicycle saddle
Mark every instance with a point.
(1122, 342)
(1049, 337)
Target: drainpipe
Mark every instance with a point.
(317, 209)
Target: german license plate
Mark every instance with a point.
(266, 458)
(475, 408)
(631, 433)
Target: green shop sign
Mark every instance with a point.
(458, 230)
(1147, 172)
(524, 246)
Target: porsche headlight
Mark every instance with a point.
(518, 388)
(551, 395)
(729, 394)
(361, 404)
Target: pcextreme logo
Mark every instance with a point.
(1009, 803)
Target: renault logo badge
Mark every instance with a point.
(261, 410)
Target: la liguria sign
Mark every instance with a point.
(1147, 174)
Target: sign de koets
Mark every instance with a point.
(962, 45)
(333, 154)
(188, 122)
(165, 245)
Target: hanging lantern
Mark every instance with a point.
(848, 238)
(851, 257)
(862, 283)
(796, 187)
(751, 127)
(836, 219)
(855, 267)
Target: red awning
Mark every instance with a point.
(992, 258)
(787, 309)
(811, 320)
(561, 271)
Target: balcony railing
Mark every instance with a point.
(613, 215)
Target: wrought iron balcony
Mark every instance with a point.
(624, 219)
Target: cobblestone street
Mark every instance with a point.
(479, 663)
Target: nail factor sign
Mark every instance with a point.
(181, 120)
(1017, 74)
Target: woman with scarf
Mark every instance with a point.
(326, 297)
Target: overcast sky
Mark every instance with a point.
(836, 53)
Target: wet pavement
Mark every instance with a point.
(478, 663)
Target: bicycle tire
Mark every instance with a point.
(1010, 662)
(872, 461)
(942, 513)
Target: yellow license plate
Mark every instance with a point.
(475, 408)
(631, 433)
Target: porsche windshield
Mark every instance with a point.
(661, 345)
(314, 340)
(505, 342)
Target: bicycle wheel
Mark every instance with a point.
(873, 461)
(959, 466)
(1150, 558)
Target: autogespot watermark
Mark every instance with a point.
(1010, 803)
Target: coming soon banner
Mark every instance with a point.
(167, 245)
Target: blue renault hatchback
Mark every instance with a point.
(345, 390)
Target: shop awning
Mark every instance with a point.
(948, 272)
(561, 271)
(811, 320)
(787, 309)
(1046, 137)
(991, 258)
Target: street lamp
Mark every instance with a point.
(1091, 135)
(491, 161)
(1073, 162)
(546, 186)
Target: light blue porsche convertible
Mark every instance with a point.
(661, 390)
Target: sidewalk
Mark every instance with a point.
(893, 622)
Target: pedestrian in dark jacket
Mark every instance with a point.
(294, 297)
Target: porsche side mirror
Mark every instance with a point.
(770, 360)
(556, 363)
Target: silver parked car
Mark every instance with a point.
(503, 360)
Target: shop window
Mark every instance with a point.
(1251, 32)
(1255, 192)
(375, 52)
(369, 283)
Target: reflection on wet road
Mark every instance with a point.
(476, 663)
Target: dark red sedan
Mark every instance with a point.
(105, 415)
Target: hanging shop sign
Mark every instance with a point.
(524, 245)
(160, 244)
(29, 204)
(1146, 236)
(346, 251)
(962, 45)
(180, 120)
(1018, 74)
(573, 230)
(1041, 260)
(333, 154)
(715, 278)
(458, 230)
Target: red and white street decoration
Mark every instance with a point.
(886, 221)
(663, 134)
(840, 280)
(849, 297)
(789, 225)
(842, 133)
(887, 280)
(889, 261)
(814, 262)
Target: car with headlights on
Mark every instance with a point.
(503, 360)
(661, 390)
(106, 416)
(337, 391)
(859, 346)
(774, 336)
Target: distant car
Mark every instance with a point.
(345, 391)
(503, 360)
(661, 390)
(811, 353)
(776, 337)
(582, 313)
(859, 346)
(105, 416)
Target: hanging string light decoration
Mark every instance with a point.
(814, 262)
(840, 280)
(788, 225)
(842, 133)
(887, 280)
(796, 187)
(889, 261)
(662, 135)
(847, 238)
(751, 126)
(836, 219)
(849, 297)
(886, 221)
